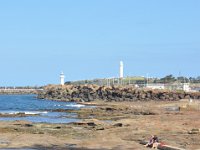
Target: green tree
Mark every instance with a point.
(168, 79)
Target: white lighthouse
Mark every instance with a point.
(62, 78)
(121, 69)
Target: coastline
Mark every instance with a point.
(114, 123)
(110, 125)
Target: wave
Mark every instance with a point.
(23, 112)
(70, 105)
(75, 105)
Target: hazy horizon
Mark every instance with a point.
(87, 39)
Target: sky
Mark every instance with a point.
(87, 39)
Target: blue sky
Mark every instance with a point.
(87, 39)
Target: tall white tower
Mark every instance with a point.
(62, 78)
(121, 69)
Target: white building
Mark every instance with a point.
(62, 78)
(156, 86)
(121, 69)
(186, 87)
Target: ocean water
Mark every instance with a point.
(44, 109)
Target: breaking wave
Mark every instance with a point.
(71, 105)
(23, 112)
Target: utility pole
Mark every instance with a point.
(147, 79)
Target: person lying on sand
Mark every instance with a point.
(153, 142)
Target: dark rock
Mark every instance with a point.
(88, 93)
(110, 109)
(28, 125)
(118, 125)
(99, 128)
(58, 127)
(91, 124)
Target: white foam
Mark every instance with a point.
(35, 112)
(70, 105)
(76, 105)
(24, 112)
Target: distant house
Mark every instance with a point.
(186, 87)
(156, 86)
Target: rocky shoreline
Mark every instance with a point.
(88, 93)
(109, 126)
(121, 119)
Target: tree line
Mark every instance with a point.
(181, 79)
(168, 79)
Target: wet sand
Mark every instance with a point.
(111, 125)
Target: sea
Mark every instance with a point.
(37, 110)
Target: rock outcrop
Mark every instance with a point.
(89, 93)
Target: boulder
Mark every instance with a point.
(89, 93)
